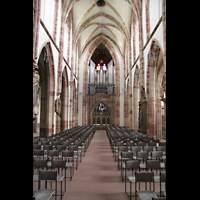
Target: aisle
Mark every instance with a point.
(97, 177)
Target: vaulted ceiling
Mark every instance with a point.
(111, 21)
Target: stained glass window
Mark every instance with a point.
(104, 67)
(98, 68)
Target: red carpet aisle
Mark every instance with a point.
(97, 177)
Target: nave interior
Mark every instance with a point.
(99, 97)
(101, 173)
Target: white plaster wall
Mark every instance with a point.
(59, 22)
(137, 50)
(121, 64)
(155, 12)
(80, 97)
(47, 14)
(144, 22)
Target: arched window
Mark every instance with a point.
(104, 121)
(98, 121)
(94, 120)
(108, 120)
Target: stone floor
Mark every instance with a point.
(97, 176)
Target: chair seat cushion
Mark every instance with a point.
(35, 177)
(131, 178)
(43, 194)
(157, 178)
(146, 195)
(60, 177)
(69, 164)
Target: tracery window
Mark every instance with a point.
(101, 109)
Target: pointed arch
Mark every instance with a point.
(136, 98)
(64, 100)
(47, 93)
(102, 36)
(93, 46)
(80, 29)
(155, 73)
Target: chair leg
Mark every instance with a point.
(61, 189)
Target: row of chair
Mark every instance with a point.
(134, 157)
(146, 177)
(116, 135)
(59, 153)
(128, 148)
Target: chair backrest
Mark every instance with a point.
(132, 164)
(148, 148)
(43, 139)
(73, 148)
(144, 177)
(117, 144)
(141, 144)
(60, 147)
(136, 140)
(156, 140)
(47, 147)
(36, 146)
(122, 148)
(135, 149)
(38, 163)
(153, 164)
(69, 154)
(162, 179)
(161, 148)
(127, 155)
(142, 154)
(162, 143)
(58, 164)
(71, 140)
(67, 143)
(152, 144)
(52, 153)
(150, 138)
(130, 144)
(82, 140)
(48, 175)
(78, 143)
(44, 142)
(146, 140)
(162, 176)
(52, 139)
(55, 143)
(156, 154)
(61, 140)
(37, 152)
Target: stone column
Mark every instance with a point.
(36, 79)
(58, 113)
